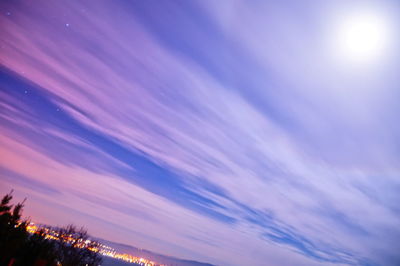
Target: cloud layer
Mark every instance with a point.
(215, 132)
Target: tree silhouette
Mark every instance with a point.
(75, 248)
(38, 250)
(70, 247)
(13, 233)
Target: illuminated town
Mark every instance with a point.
(98, 247)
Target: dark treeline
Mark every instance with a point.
(18, 247)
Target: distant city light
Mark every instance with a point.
(103, 250)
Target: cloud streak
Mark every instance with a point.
(199, 141)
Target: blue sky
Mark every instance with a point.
(225, 132)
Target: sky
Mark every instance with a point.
(228, 132)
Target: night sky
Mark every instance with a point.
(228, 132)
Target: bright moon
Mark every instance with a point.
(362, 37)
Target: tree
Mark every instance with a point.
(37, 249)
(70, 247)
(75, 247)
(13, 232)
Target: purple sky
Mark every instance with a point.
(224, 132)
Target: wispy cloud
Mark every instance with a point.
(204, 131)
